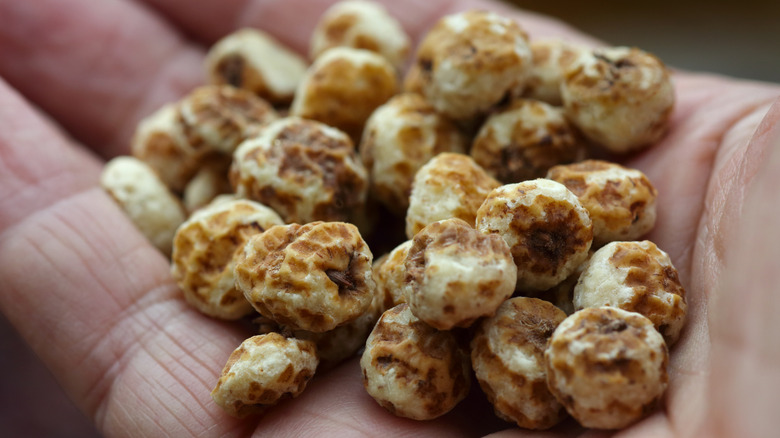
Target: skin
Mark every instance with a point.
(96, 303)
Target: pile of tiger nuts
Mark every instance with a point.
(471, 173)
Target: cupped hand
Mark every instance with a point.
(96, 302)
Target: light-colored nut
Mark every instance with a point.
(361, 25)
(620, 98)
(262, 371)
(254, 61)
(343, 87)
(507, 354)
(552, 58)
(412, 369)
(545, 226)
(399, 138)
(525, 139)
(390, 275)
(210, 182)
(455, 274)
(469, 61)
(621, 201)
(160, 142)
(145, 199)
(448, 186)
(313, 277)
(204, 252)
(219, 117)
(607, 366)
(303, 169)
(638, 277)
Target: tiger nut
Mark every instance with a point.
(638, 277)
(412, 369)
(252, 60)
(552, 58)
(262, 371)
(448, 185)
(303, 169)
(399, 138)
(313, 277)
(619, 97)
(507, 354)
(607, 366)
(390, 275)
(523, 140)
(455, 274)
(545, 226)
(204, 250)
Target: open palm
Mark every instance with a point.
(96, 302)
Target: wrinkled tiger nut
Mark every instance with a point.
(252, 60)
(204, 250)
(619, 97)
(545, 226)
(552, 58)
(399, 138)
(455, 274)
(361, 25)
(448, 185)
(507, 355)
(607, 366)
(313, 277)
(390, 275)
(145, 199)
(523, 140)
(303, 169)
(262, 371)
(412, 369)
(470, 61)
(638, 277)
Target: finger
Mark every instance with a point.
(95, 67)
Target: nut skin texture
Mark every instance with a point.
(620, 98)
(343, 87)
(507, 355)
(145, 199)
(204, 251)
(412, 369)
(607, 366)
(399, 138)
(361, 25)
(313, 277)
(552, 58)
(621, 201)
(470, 60)
(303, 169)
(262, 371)
(545, 226)
(455, 275)
(252, 60)
(637, 277)
(390, 275)
(449, 185)
(525, 139)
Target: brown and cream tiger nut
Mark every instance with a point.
(262, 371)
(390, 275)
(470, 61)
(507, 355)
(412, 369)
(362, 25)
(637, 277)
(313, 277)
(252, 60)
(607, 366)
(449, 185)
(619, 97)
(523, 140)
(455, 274)
(305, 170)
(552, 58)
(545, 226)
(204, 250)
(399, 138)
(343, 87)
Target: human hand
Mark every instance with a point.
(96, 302)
